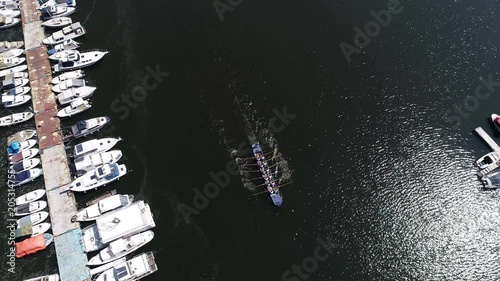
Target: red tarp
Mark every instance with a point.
(30, 246)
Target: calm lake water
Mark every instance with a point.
(376, 168)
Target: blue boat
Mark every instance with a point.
(271, 182)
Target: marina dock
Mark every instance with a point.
(62, 205)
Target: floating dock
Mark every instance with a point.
(62, 205)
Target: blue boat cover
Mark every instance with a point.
(13, 148)
(22, 176)
(18, 167)
(51, 51)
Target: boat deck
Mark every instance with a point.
(70, 256)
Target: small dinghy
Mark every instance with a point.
(92, 161)
(23, 155)
(19, 146)
(32, 219)
(75, 107)
(30, 208)
(25, 177)
(68, 75)
(24, 165)
(12, 53)
(18, 91)
(53, 277)
(121, 247)
(30, 197)
(99, 177)
(75, 60)
(22, 135)
(68, 84)
(57, 22)
(11, 62)
(15, 118)
(136, 268)
(73, 94)
(87, 127)
(67, 45)
(31, 230)
(9, 84)
(19, 68)
(56, 11)
(32, 245)
(10, 13)
(6, 45)
(100, 208)
(12, 101)
(94, 146)
(72, 31)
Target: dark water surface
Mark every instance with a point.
(376, 168)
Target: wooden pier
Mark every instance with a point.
(62, 205)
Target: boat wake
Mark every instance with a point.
(252, 122)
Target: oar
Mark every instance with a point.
(253, 157)
(266, 191)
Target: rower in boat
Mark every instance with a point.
(271, 186)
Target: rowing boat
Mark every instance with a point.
(270, 181)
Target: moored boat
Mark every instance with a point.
(75, 107)
(32, 219)
(19, 146)
(101, 176)
(94, 146)
(57, 22)
(30, 197)
(12, 101)
(22, 135)
(31, 230)
(136, 268)
(75, 60)
(18, 91)
(23, 155)
(33, 245)
(487, 159)
(92, 161)
(68, 75)
(492, 181)
(121, 247)
(15, 118)
(25, 177)
(87, 127)
(73, 94)
(56, 11)
(108, 204)
(72, 31)
(12, 53)
(71, 83)
(24, 165)
(6, 22)
(8, 45)
(10, 13)
(13, 70)
(11, 62)
(29, 208)
(57, 52)
(9, 84)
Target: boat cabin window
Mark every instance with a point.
(121, 272)
(78, 184)
(67, 63)
(81, 125)
(79, 159)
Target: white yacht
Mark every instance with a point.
(121, 247)
(77, 106)
(136, 268)
(72, 31)
(90, 162)
(94, 146)
(75, 74)
(75, 60)
(103, 175)
(72, 94)
(105, 205)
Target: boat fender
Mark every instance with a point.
(73, 218)
(143, 210)
(91, 239)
